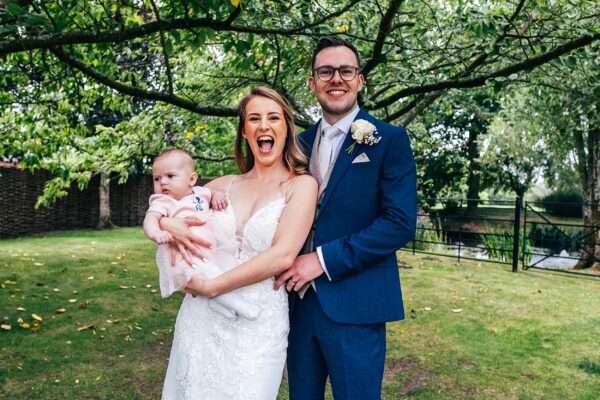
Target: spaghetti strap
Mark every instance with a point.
(228, 190)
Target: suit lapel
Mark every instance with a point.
(342, 163)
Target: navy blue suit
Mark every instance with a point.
(368, 211)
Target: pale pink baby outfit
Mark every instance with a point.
(220, 258)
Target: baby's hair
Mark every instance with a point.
(175, 151)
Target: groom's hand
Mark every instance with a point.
(304, 269)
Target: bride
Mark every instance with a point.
(271, 209)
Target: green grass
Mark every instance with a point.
(472, 331)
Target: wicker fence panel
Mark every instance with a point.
(19, 191)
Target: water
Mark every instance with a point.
(541, 257)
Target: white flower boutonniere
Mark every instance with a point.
(363, 132)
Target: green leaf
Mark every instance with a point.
(15, 10)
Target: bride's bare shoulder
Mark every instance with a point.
(304, 184)
(221, 183)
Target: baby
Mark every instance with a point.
(176, 196)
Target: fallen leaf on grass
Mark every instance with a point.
(457, 310)
(38, 264)
(427, 309)
(20, 309)
(37, 317)
(90, 278)
(60, 311)
(123, 287)
(9, 282)
(85, 327)
(72, 300)
(6, 327)
(56, 289)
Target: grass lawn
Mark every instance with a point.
(472, 331)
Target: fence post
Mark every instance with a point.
(516, 227)
(524, 245)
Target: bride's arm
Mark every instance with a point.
(292, 230)
(184, 241)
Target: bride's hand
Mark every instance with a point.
(198, 286)
(184, 241)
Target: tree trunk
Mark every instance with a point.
(474, 178)
(590, 249)
(104, 221)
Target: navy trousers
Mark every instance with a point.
(352, 356)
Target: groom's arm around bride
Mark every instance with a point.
(366, 211)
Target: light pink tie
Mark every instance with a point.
(326, 148)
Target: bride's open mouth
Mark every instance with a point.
(265, 143)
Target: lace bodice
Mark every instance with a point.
(256, 235)
(218, 358)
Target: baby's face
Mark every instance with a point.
(173, 176)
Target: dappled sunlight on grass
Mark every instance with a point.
(471, 331)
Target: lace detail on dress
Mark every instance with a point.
(214, 358)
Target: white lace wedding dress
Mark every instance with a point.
(215, 358)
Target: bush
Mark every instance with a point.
(563, 204)
(451, 207)
(555, 239)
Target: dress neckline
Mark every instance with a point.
(241, 228)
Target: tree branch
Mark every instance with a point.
(81, 37)
(214, 159)
(164, 50)
(385, 27)
(142, 93)
(481, 80)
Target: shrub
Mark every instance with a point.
(555, 239)
(563, 204)
(451, 207)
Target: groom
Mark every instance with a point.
(348, 287)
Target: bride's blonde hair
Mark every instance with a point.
(293, 156)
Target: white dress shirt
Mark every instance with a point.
(343, 125)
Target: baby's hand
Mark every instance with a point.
(218, 201)
(162, 237)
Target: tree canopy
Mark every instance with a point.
(128, 77)
(199, 55)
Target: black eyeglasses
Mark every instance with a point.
(326, 72)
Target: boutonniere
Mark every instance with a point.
(363, 132)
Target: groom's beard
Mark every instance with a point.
(340, 111)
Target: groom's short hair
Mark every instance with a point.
(332, 41)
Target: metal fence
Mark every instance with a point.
(511, 232)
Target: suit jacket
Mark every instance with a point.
(368, 210)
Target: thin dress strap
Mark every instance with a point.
(228, 190)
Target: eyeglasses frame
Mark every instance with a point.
(356, 72)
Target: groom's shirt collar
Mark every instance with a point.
(344, 123)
